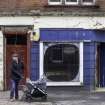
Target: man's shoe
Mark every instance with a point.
(16, 99)
(11, 99)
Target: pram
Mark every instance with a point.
(35, 89)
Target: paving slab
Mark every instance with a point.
(60, 98)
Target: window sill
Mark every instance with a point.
(64, 84)
(71, 5)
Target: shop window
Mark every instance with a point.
(56, 55)
(61, 62)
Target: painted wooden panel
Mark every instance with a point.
(34, 61)
(72, 35)
(102, 65)
(89, 65)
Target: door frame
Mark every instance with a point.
(98, 68)
(97, 77)
(28, 59)
(80, 83)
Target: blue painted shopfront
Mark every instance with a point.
(90, 38)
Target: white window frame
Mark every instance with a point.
(88, 3)
(71, 3)
(41, 66)
(55, 3)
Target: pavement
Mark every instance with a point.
(60, 97)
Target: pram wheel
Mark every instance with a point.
(29, 99)
(44, 98)
(23, 98)
(34, 90)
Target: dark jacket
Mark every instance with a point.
(17, 70)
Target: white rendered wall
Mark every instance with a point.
(1, 61)
(71, 22)
(56, 22)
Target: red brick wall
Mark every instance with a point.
(21, 4)
(29, 5)
(101, 4)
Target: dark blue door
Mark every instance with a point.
(102, 65)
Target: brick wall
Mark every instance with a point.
(6, 5)
(32, 5)
(101, 4)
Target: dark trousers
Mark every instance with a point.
(14, 89)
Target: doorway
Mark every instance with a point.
(15, 44)
(100, 71)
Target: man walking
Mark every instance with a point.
(16, 75)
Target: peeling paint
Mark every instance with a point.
(1, 61)
(1, 85)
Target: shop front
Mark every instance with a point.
(69, 57)
(67, 53)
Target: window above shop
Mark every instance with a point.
(88, 2)
(71, 2)
(55, 2)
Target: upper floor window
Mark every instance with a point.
(88, 2)
(71, 2)
(55, 2)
